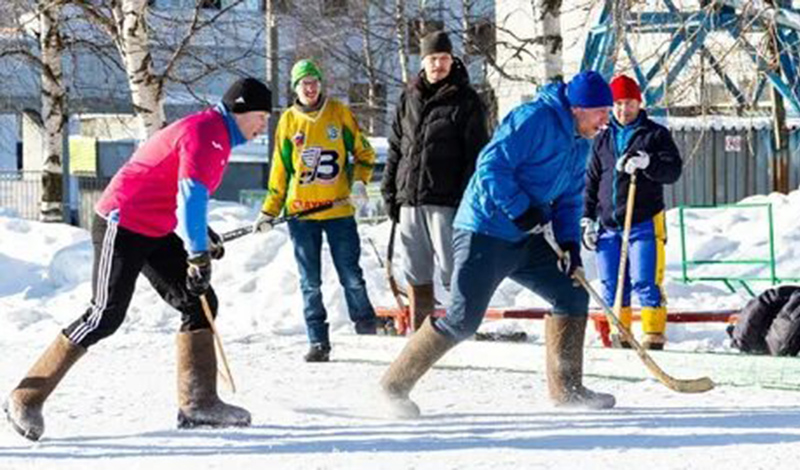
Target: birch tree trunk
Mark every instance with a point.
(466, 32)
(369, 65)
(53, 112)
(402, 42)
(132, 43)
(552, 41)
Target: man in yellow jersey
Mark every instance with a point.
(320, 157)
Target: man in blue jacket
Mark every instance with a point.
(528, 179)
(632, 143)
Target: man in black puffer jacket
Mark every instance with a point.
(439, 128)
(770, 323)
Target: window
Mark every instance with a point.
(417, 28)
(334, 7)
(210, 4)
(481, 39)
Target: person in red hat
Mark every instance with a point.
(632, 143)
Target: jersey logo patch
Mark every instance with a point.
(216, 145)
(299, 139)
(319, 166)
(333, 132)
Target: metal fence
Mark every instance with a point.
(20, 193)
(723, 164)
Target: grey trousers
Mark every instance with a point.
(426, 237)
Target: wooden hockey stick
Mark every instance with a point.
(248, 229)
(227, 375)
(623, 256)
(700, 385)
(395, 288)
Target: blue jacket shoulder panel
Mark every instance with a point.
(534, 158)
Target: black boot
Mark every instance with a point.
(367, 327)
(318, 352)
(564, 336)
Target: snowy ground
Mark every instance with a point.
(484, 407)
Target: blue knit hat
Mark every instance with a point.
(589, 89)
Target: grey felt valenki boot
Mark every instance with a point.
(423, 349)
(564, 338)
(198, 402)
(24, 405)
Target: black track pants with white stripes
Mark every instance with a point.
(119, 256)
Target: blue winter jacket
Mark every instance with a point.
(536, 157)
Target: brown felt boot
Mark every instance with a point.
(198, 402)
(564, 337)
(24, 406)
(422, 350)
(421, 304)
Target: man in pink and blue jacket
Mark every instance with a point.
(153, 219)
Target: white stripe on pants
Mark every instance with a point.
(103, 274)
(426, 234)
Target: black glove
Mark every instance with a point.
(571, 259)
(215, 246)
(393, 210)
(198, 274)
(534, 219)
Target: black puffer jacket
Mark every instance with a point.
(770, 323)
(606, 191)
(437, 133)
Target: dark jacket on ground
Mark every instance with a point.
(607, 189)
(770, 323)
(437, 133)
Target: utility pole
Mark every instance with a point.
(272, 70)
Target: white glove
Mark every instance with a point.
(588, 234)
(541, 228)
(263, 223)
(632, 162)
(358, 194)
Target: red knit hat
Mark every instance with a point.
(625, 88)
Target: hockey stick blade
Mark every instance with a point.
(700, 385)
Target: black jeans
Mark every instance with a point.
(119, 256)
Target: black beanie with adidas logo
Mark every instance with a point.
(248, 94)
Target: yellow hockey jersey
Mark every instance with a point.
(318, 156)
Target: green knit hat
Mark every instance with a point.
(305, 68)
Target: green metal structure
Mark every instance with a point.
(731, 281)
